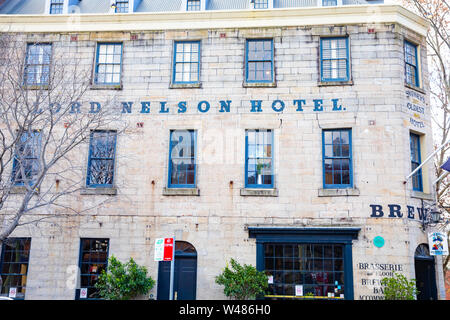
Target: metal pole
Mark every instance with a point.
(440, 178)
(172, 271)
(426, 160)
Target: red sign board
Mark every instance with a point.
(168, 249)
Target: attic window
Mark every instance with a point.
(193, 5)
(261, 4)
(122, 6)
(56, 6)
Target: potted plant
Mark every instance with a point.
(123, 281)
(242, 282)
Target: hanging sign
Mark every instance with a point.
(438, 243)
(164, 249)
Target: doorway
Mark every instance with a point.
(425, 273)
(185, 278)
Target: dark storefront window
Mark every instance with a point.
(93, 260)
(316, 269)
(14, 265)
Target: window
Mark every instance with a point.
(186, 67)
(261, 4)
(193, 5)
(411, 66)
(416, 161)
(259, 61)
(326, 3)
(259, 158)
(337, 158)
(93, 260)
(108, 64)
(26, 158)
(182, 166)
(122, 6)
(315, 260)
(317, 268)
(56, 6)
(334, 59)
(37, 66)
(14, 265)
(102, 152)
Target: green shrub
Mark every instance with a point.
(123, 281)
(399, 287)
(242, 282)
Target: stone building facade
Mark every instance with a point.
(330, 239)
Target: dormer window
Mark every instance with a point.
(193, 5)
(329, 3)
(121, 6)
(56, 6)
(260, 4)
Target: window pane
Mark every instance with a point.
(94, 259)
(101, 158)
(337, 158)
(182, 158)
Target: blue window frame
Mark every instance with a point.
(411, 64)
(101, 162)
(56, 6)
(259, 158)
(122, 6)
(327, 3)
(37, 64)
(108, 65)
(416, 161)
(259, 60)
(15, 256)
(334, 59)
(93, 259)
(193, 5)
(337, 158)
(26, 158)
(186, 64)
(261, 4)
(182, 159)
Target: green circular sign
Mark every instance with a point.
(378, 242)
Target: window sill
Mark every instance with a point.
(259, 84)
(181, 191)
(36, 87)
(20, 190)
(111, 191)
(334, 83)
(420, 90)
(195, 85)
(422, 195)
(259, 192)
(338, 192)
(106, 87)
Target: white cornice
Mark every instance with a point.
(154, 21)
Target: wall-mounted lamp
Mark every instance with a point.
(431, 215)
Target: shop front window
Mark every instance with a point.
(93, 260)
(304, 270)
(14, 266)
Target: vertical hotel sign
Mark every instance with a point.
(438, 243)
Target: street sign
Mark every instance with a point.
(159, 249)
(164, 249)
(168, 249)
